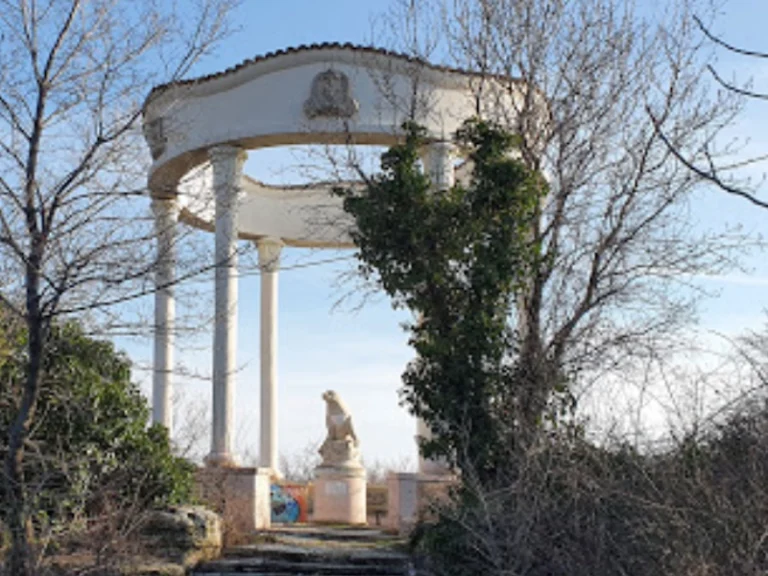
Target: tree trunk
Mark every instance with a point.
(19, 522)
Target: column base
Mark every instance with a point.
(409, 497)
(434, 467)
(340, 495)
(240, 495)
(221, 460)
(274, 474)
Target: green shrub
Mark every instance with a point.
(90, 447)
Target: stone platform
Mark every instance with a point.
(315, 550)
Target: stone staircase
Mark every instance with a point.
(314, 551)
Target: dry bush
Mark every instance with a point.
(572, 508)
(377, 471)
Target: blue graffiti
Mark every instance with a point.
(285, 508)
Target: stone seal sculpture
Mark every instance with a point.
(340, 493)
(341, 446)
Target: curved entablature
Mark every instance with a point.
(306, 216)
(322, 94)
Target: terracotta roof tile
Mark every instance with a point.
(305, 48)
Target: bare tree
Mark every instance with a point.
(620, 247)
(300, 466)
(192, 434)
(73, 76)
(706, 166)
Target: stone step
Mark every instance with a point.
(380, 563)
(266, 566)
(330, 533)
(325, 554)
(314, 550)
(284, 559)
(298, 572)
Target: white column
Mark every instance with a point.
(166, 215)
(429, 466)
(422, 433)
(227, 163)
(438, 163)
(438, 160)
(269, 263)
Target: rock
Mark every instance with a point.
(185, 534)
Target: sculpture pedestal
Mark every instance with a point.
(340, 495)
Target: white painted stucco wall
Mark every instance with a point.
(261, 104)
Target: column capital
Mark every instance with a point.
(272, 243)
(270, 248)
(444, 146)
(225, 152)
(165, 207)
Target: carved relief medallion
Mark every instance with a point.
(330, 96)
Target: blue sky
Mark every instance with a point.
(361, 354)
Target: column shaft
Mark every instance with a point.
(166, 214)
(227, 164)
(438, 163)
(269, 259)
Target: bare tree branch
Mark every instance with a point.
(710, 174)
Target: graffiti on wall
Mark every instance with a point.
(289, 503)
